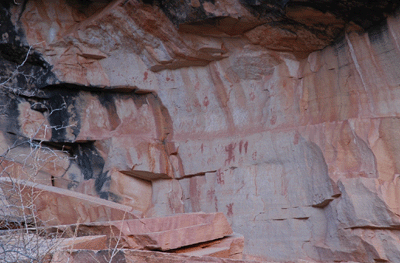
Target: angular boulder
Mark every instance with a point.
(131, 256)
(55, 206)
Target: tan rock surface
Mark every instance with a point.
(135, 192)
(86, 242)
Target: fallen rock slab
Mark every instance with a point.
(56, 206)
(130, 256)
(228, 247)
(164, 233)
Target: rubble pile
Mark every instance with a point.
(74, 227)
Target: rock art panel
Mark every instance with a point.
(167, 198)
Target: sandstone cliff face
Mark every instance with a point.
(283, 115)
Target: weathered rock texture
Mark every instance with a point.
(283, 115)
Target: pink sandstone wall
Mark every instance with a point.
(299, 150)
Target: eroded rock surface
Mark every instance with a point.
(283, 115)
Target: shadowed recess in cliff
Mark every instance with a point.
(280, 25)
(180, 12)
(363, 13)
(21, 67)
(357, 11)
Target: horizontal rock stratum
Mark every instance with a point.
(282, 116)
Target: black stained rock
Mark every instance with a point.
(22, 69)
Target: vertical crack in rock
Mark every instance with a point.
(165, 134)
(321, 187)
